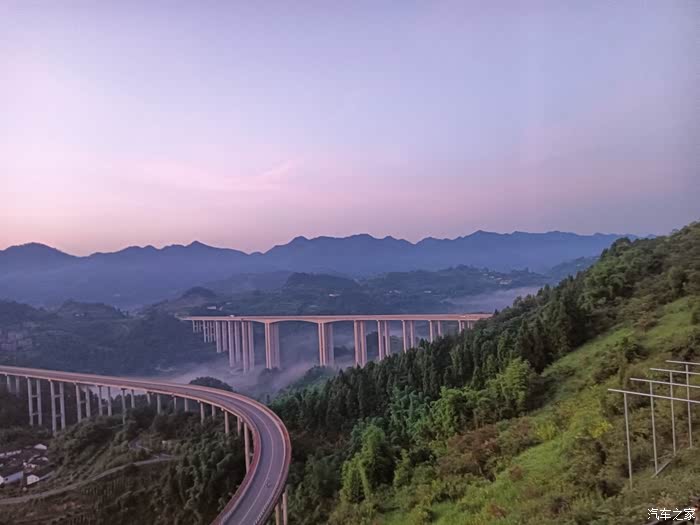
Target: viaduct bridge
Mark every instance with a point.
(234, 334)
(268, 449)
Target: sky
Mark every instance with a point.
(245, 124)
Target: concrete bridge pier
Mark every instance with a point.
(78, 402)
(227, 429)
(159, 404)
(100, 401)
(217, 336)
(232, 343)
(248, 345)
(246, 441)
(201, 412)
(432, 330)
(272, 345)
(384, 339)
(58, 413)
(109, 401)
(360, 343)
(34, 401)
(9, 383)
(387, 338)
(88, 409)
(123, 406)
(326, 351)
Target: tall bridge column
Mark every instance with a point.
(232, 343)
(9, 383)
(251, 346)
(224, 336)
(269, 360)
(246, 441)
(34, 401)
(276, 358)
(248, 345)
(40, 412)
(238, 347)
(360, 343)
(88, 412)
(245, 353)
(326, 354)
(321, 344)
(123, 406)
(60, 411)
(109, 401)
(404, 336)
(431, 331)
(387, 338)
(78, 402)
(62, 405)
(100, 401)
(380, 339)
(412, 334)
(439, 328)
(285, 517)
(217, 335)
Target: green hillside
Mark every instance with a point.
(96, 338)
(395, 292)
(511, 422)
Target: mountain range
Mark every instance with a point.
(135, 276)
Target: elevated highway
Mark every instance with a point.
(262, 491)
(234, 334)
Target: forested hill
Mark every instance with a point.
(509, 422)
(396, 292)
(96, 338)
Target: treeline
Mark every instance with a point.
(103, 344)
(374, 428)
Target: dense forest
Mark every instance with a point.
(395, 292)
(165, 468)
(428, 435)
(96, 338)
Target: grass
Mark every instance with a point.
(536, 494)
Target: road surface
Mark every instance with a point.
(263, 485)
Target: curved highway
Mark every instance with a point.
(264, 483)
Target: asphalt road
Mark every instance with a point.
(263, 485)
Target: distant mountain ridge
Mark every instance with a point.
(134, 276)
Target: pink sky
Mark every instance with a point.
(245, 127)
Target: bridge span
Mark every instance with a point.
(234, 334)
(268, 448)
